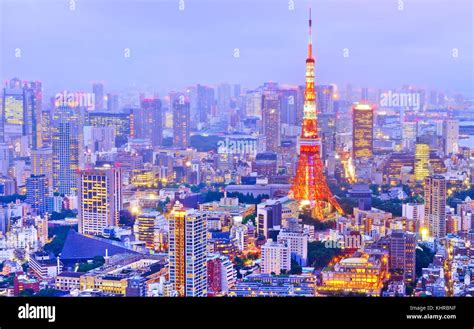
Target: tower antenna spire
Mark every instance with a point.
(310, 41)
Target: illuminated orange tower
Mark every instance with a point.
(310, 186)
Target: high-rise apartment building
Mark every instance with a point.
(435, 205)
(37, 193)
(188, 251)
(181, 122)
(271, 121)
(450, 136)
(100, 199)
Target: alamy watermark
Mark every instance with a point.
(239, 146)
(393, 99)
(75, 100)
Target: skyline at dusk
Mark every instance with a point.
(374, 44)
(157, 152)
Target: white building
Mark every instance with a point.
(276, 257)
(298, 244)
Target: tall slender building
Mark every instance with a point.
(310, 186)
(98, 91)
(181, 122)
(187, 251)
(271, 121)
(363, 131)
(402, 254)
(100, 199)
(67, 145)
(435, 205)
(422, 160)
(451, 136)
(37, 193)
(148, 121)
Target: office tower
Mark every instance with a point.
(37, 188)
(181, 122)
(276, 258)
(269, 215)
(67, 149)
(42, 163)
(13, 108)
(327, 130)
(435, 205)
(288, 104)
(450, 136)
(205, 102)
(297, 241)
(271, 122)
(123, 124)
(310, 187)
(253, 104)
(402, 254)
(148, 121)
(21, 108)
(100, 199)
(98, 91)
(363, 131)
(187, 251)
(223, 98)
(325, 97)
(422, 159)
(145, 224)
(112, 103)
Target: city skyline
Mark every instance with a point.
(410, 47)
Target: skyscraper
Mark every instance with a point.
(422, 158)
(325, 97)
(269, 215)
(98, 91)
(181, 122)
(363, 131)
(450, 136)
(402, 254)
(205, 101)
(148, 121)
(37, 193)
(21, 108)
(187, 251)
(67, 146)
(435, 205)
(100, 199)
(309, 185)
(288, 106)
(271, 121)
(42, 163)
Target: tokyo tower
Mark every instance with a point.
(309, 186)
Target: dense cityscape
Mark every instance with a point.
(280, 190)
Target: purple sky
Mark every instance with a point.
(171, 49)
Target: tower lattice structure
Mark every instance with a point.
(310, 186)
